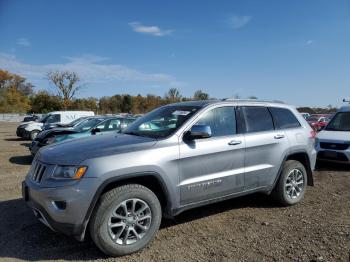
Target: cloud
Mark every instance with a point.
(151, 30)
(238, 21)
(91, 69)
(309, 42)
(23, 42)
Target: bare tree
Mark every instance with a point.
(66, 83)
(173, 95)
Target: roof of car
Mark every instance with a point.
(203, 103)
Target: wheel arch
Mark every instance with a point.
(151, 180)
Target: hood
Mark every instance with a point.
(26, 123)
(343, 136)
(73, 152)
(52, 132)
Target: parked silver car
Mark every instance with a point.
(333, 142)
(174, 158)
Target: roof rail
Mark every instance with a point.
(253, 100)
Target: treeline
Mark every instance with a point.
(318, 110)
(17, 96)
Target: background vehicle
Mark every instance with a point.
(90, 126)
(30, 118)
(31, 129)
(174, 158)
(318, 122)
(67, 125)
(305, 115)
(333, 142)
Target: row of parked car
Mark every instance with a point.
(118, 186)
(54, 127)
(317, 121)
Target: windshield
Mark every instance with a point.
(340, 122)
(162, 121)
(76, 121)
(87, 125)
(43, 118)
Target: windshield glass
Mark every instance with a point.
(76, 121)
(43, 118)
(340, 122)
(162, 121)
(88, 124)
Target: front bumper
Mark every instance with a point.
(21, 132)
(71, 218)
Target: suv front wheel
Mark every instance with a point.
(125, 220)
(291, 186)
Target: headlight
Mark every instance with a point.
(69, 172)
(50, 140)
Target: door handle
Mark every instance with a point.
(234, 142)
(278, 136)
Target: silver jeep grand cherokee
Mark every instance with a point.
(176, 157)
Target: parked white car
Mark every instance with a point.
(30, 130)
(333, 142)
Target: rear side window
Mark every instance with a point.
(284, 118)
(222, 121)
(257, 119)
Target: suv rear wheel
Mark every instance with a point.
(126, 220)
(291, 186)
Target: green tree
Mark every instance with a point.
(200, 95)
(43, 102)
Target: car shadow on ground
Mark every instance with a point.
(15, 139)
(330, 166)
(21, 160)
(19, 228)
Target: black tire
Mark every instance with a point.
(109, 201)
(33, 134)
(281, 192)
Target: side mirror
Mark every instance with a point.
(198, 132)
(95, 130)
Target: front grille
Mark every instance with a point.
(335, 146)
(38, 171)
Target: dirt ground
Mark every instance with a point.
(251, 228)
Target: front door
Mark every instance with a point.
(213, 167)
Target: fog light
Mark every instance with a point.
(60, 205)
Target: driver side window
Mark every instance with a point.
(222, 121)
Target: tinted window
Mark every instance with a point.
(340, 122)
(56, 118)
(284, 118)
(162, 121)
(257, 119)
(222, 121)
(109, 125)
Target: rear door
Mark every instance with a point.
(212, 167)
(265, 147)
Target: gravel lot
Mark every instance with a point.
(250, 228)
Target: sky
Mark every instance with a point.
(297, 51)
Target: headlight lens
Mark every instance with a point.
(69, 172)
(50, 140)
